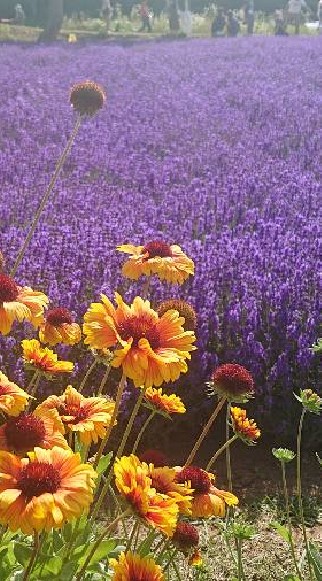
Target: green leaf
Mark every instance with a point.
(58, 541)
(319, 459)
(22, 553)
(67, 532)
(104, 463)
(54, 565)
(291, 577)
(316, 560)
(102, 552)
(282, 531)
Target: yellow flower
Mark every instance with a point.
(207, 499)
(130, 567)
(243, 427)
(43, 359)
(89, 416)
(45, 490)
(152, 349)
(171, 404)
(133, 482)
(30, 430)
(164, 481)
(196, 559)
(13, 399)
(19, 304)
(168, 262)
(58, 327)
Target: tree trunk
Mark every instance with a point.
(55, 16)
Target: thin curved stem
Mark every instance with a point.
(98, 541)
(46, 195)
(118, 400)
(143, 429)
(299, 490)
(205, 431)
(228, 457)
(146, 288)
(33, 558)
(287, 505)
(220, 451)
(130, 423)
(88, 373)
(104, 380)
(35, 384)
(240, 561)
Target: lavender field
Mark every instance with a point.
(215, 146)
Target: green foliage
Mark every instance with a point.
(310, 400)
(316, 560)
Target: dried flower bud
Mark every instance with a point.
(186, 537)
(87, 98)
(184, 309)
(232, 381)
(310, 400)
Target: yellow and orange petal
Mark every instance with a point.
(246, 429)
(13, 399)
(168, 262)
(45, 490)
(170, 404)
(19, 304)
(196, 559)
(164, 481)
(133, 482)
(152, 350)
(43, 359)
(23, 433)
(58, 327)
(88, 416)
(130, 566)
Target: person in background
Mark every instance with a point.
(173, 14)
(250, 16)
(294, 9)
(280, 24)
(106, 13)
(218, 24)
(233, 26)
(145, 17)
(20, 16)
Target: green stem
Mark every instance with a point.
(287, 504)
(35, 384)
(98, 541)
(240, 562)
(33, 558)
(220, 451)
(173, 555)
(88, 373)
(130, 423)
(205, 431)
(104, 380)
(131, 537)
(46, 195)
(299, 490)
(146, 288)
(228, 457)
(118, 400)
(143, 429)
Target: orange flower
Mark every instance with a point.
(58, 327)
(196, 559)
(42, 359)
(133, 482)
(130, 567)
(170, 404)
(168, 262)
(244, 428)
(13, 399)
(89, 416)
(19, 304)
(207, 500)
(30, 430)
(45, 490)
(164, 481)
(152, 349)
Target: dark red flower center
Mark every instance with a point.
(8, 289)
(59, 316)
(155, 457)
(186, 536)
(38, 478)
(233, 379)
(197, 477)
(140, 327)
(24, 432)
(157, 248)
(78, 413)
